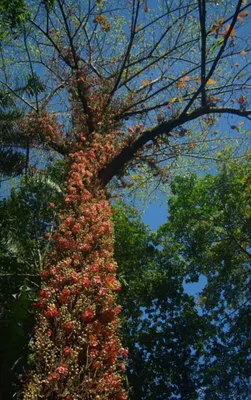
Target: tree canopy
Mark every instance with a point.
(209, 223)
(157, 68)
(118, 93)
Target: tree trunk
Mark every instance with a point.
(77, 352)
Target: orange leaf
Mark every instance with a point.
(197, 80)
(232, 34)
(211, 82)
(217, 26)
(242, 15)
(146, 82)
(181, 84)
(182, 81)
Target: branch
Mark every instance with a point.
(128, 51)
(189, 96)
(90, 63)
(217, 58)
(80, 87)
(52, 42)
(68, 32)
(49, 96)
(127, 153)
(60, 148)
(179, 8)
(202, 11)
(30, 62)
(240, 246)
(86, 17)
(149, 55)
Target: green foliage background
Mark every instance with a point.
(180, 345)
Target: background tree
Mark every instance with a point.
(26, 216)
(78, 47)
(209, 224)
(160, 323)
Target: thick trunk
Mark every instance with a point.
(78, 354)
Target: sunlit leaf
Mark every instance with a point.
(146, 82)
(211, 81)
(182, 81)
(225, 32)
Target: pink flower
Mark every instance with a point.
(54, 376)
(44, 293)
(67, 351)
(69, 326)
(52, 311)
(124, 352)
(86, 281)
(94, 343)
(65, 296)
(93, 353)
(88, 315)
(76, 228)
(117, 310)
(97, 365)
(103, 292)
(62, 369)
(97, 279)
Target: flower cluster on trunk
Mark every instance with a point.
(77, 349)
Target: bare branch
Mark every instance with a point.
(129, 47)
(202, 11)
(217, 58)
(126, 155)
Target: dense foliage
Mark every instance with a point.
(179, 345)
(209, 223)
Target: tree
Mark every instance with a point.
(80, 68)
(25, 217)
(209, 224)
(160, 323)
